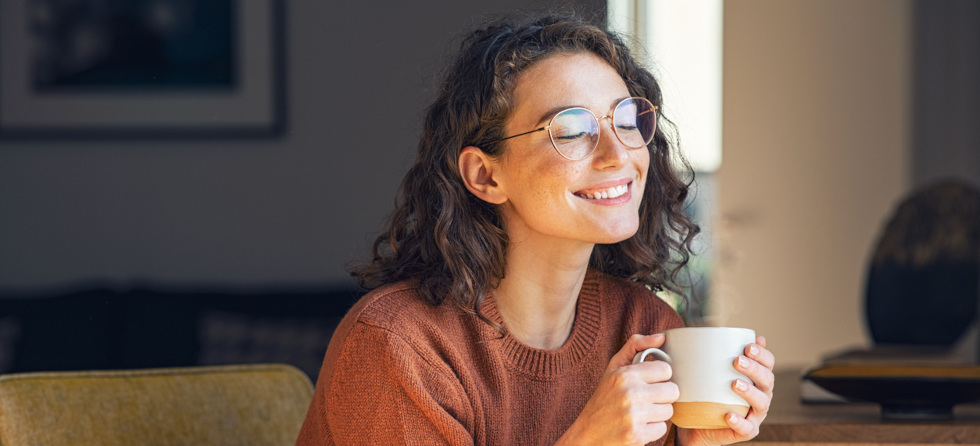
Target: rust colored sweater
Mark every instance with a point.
(402, 371)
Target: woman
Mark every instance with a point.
(508, 292)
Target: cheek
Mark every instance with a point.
(643, 160)
(642, 163)
(544, 196)
(549, 186)
(548, 176)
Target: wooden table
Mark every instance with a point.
(792, 423)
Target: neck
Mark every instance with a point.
(539, 293)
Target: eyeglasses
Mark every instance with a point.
(575, 131)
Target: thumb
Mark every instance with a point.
(635, 344)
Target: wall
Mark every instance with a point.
(947, 101)
(290, 210)
(816, 137)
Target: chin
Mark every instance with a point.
(616, 236)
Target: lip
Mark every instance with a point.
(625, 198)
(606, 184)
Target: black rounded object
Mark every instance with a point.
(923, 284)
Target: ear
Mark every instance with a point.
(478, 171)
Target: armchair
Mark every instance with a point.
(259, 404)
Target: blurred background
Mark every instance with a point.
(833, 110)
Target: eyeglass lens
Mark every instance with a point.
(575, 132)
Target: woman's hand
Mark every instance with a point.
(756, 364)
(632, 403)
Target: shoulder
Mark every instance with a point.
(392, 354)
(636, 303)
(400, 306)
(397, 318)
(619, 285)
(632, 292)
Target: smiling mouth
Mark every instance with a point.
(600, 194)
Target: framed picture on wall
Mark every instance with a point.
(141, 68)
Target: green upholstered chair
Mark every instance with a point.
(262, 404)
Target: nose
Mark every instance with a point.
(609, 151)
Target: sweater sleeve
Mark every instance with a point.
(383, 390)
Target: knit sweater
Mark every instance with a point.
(401, 371)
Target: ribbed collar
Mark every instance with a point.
(550, 364)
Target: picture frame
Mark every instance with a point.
(141, 69)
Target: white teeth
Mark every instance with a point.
(612, 192)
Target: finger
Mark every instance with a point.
(744, 429)
(635, 344)
(650, 422)
(651, 432)
(642, 342)
(759, 400)
(759, 353)
(655, 413)
(761, 340)
(652, 372)
(761, 376)
(664, 393)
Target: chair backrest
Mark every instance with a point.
(261, 404)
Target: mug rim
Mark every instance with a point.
(710, 328)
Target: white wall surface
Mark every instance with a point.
(816, 144)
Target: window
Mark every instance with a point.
(681, 43)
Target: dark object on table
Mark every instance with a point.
(904, 392)
(921, 300)
(924, 281)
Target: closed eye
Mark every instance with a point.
(571, 137)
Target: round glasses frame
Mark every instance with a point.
(598, 120)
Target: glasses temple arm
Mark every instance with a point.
(519, 134)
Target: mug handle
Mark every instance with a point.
(655, 352)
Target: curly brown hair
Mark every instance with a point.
(452, 242)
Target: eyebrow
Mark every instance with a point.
(546, 116)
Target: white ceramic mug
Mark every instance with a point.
(702, 360)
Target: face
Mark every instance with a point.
(549, 196)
